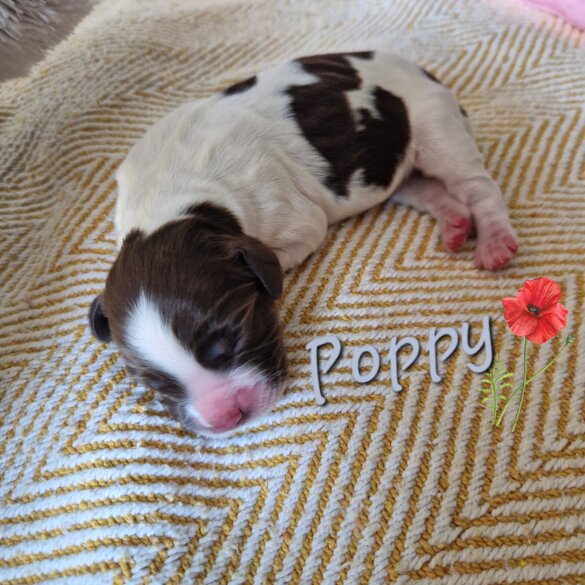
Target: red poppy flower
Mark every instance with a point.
(535, 312)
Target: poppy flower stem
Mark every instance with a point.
(524, 375)
(525, 382)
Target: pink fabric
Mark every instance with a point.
(572, 11)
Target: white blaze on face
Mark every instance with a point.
(214, 400)
(154, 342)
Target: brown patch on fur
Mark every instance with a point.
(375, 144)
(195, 272)
(383, 140)
(215, 216)
(241, 87)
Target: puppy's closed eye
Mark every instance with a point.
(218, 351)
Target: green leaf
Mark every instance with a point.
(495, 387)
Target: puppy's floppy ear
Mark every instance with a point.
(98, 320)
(263, 263)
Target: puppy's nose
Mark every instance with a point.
(227, 420)
(220, 413)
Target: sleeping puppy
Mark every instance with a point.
(219, 198)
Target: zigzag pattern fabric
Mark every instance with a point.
(99, 485)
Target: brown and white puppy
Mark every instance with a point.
(220, 197)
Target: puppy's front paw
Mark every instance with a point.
(495, 250)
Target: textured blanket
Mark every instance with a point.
(99, 485)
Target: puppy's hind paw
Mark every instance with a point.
(456, 231)
(496, 251)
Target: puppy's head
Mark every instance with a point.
(192, 309)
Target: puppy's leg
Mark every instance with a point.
(300, 238)
(430, 196)
(446, 150)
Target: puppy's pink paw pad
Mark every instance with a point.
(459, 221)
(496, 252)
(455, 232)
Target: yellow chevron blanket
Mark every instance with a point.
(99, 485)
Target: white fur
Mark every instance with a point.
(246, 153)
(154, 342)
